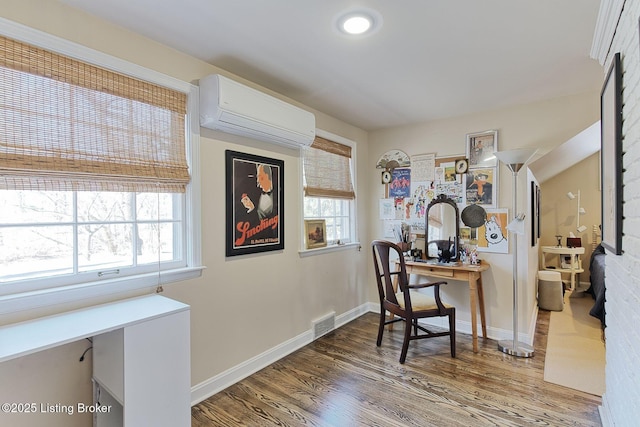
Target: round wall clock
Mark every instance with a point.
(462, 165)
(386, 177)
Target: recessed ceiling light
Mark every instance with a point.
(356, 24)
(359, 22)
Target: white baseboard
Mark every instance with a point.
(464, 327)
(231, 376)
(605, 413)
(215, 384)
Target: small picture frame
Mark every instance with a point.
(315, 233)
(481, 147)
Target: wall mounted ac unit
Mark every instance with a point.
(232, 107)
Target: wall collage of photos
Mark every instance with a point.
(412, 182)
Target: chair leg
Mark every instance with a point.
(452, 331)
(383, 317)
(407, 337)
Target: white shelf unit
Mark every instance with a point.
(141, 360)
(574, 267)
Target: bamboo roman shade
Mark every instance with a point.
(327, 170)
(68, 125)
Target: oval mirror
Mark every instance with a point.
(442, 229)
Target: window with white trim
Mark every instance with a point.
(328, 188)
(94, 172)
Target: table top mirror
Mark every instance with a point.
(442, 230)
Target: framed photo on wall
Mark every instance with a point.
(611, 157)
(254, 203)
(480, 149)
(315, 233)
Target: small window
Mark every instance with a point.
(328, 188)
(336, 213)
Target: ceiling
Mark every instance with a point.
(431, 59)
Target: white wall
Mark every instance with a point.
(543, 125)
(621, 402)
(241, 307)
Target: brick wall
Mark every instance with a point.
(621, 402)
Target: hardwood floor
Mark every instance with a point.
(343, 379)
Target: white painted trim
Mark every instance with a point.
(605, 412)
(216, 384)
(239, 372)
(464, 327)
(332, 248)
(606, 25)
(231, 376)
(25, 301)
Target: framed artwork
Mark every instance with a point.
(493, 235)
(611, 157)
(481, 187)
(538, 216)
(535, 213)
(480, 149)
(400, 185)
(254, 204)
(465, 234)
(315, 232)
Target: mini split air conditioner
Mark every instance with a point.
(231, 107)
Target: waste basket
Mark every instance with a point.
(550, 292)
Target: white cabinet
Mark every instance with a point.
(141, 357)
(145, 368)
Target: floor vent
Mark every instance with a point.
(324, 324)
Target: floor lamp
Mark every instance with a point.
(515, 160)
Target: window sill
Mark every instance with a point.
(74, 293)
(333, 248)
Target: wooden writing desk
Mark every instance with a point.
(464, 272)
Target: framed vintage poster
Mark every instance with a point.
(481, 147)
(400, 185)
(481, 187)
(254, 203)
(315, 232)
(611, 157)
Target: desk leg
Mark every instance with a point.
(480, 290)
(476, 291)
(474, 315)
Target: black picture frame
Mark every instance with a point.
(536, 231)
(534, 218)
(254, 215)
(611, 157)
(538, 216)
